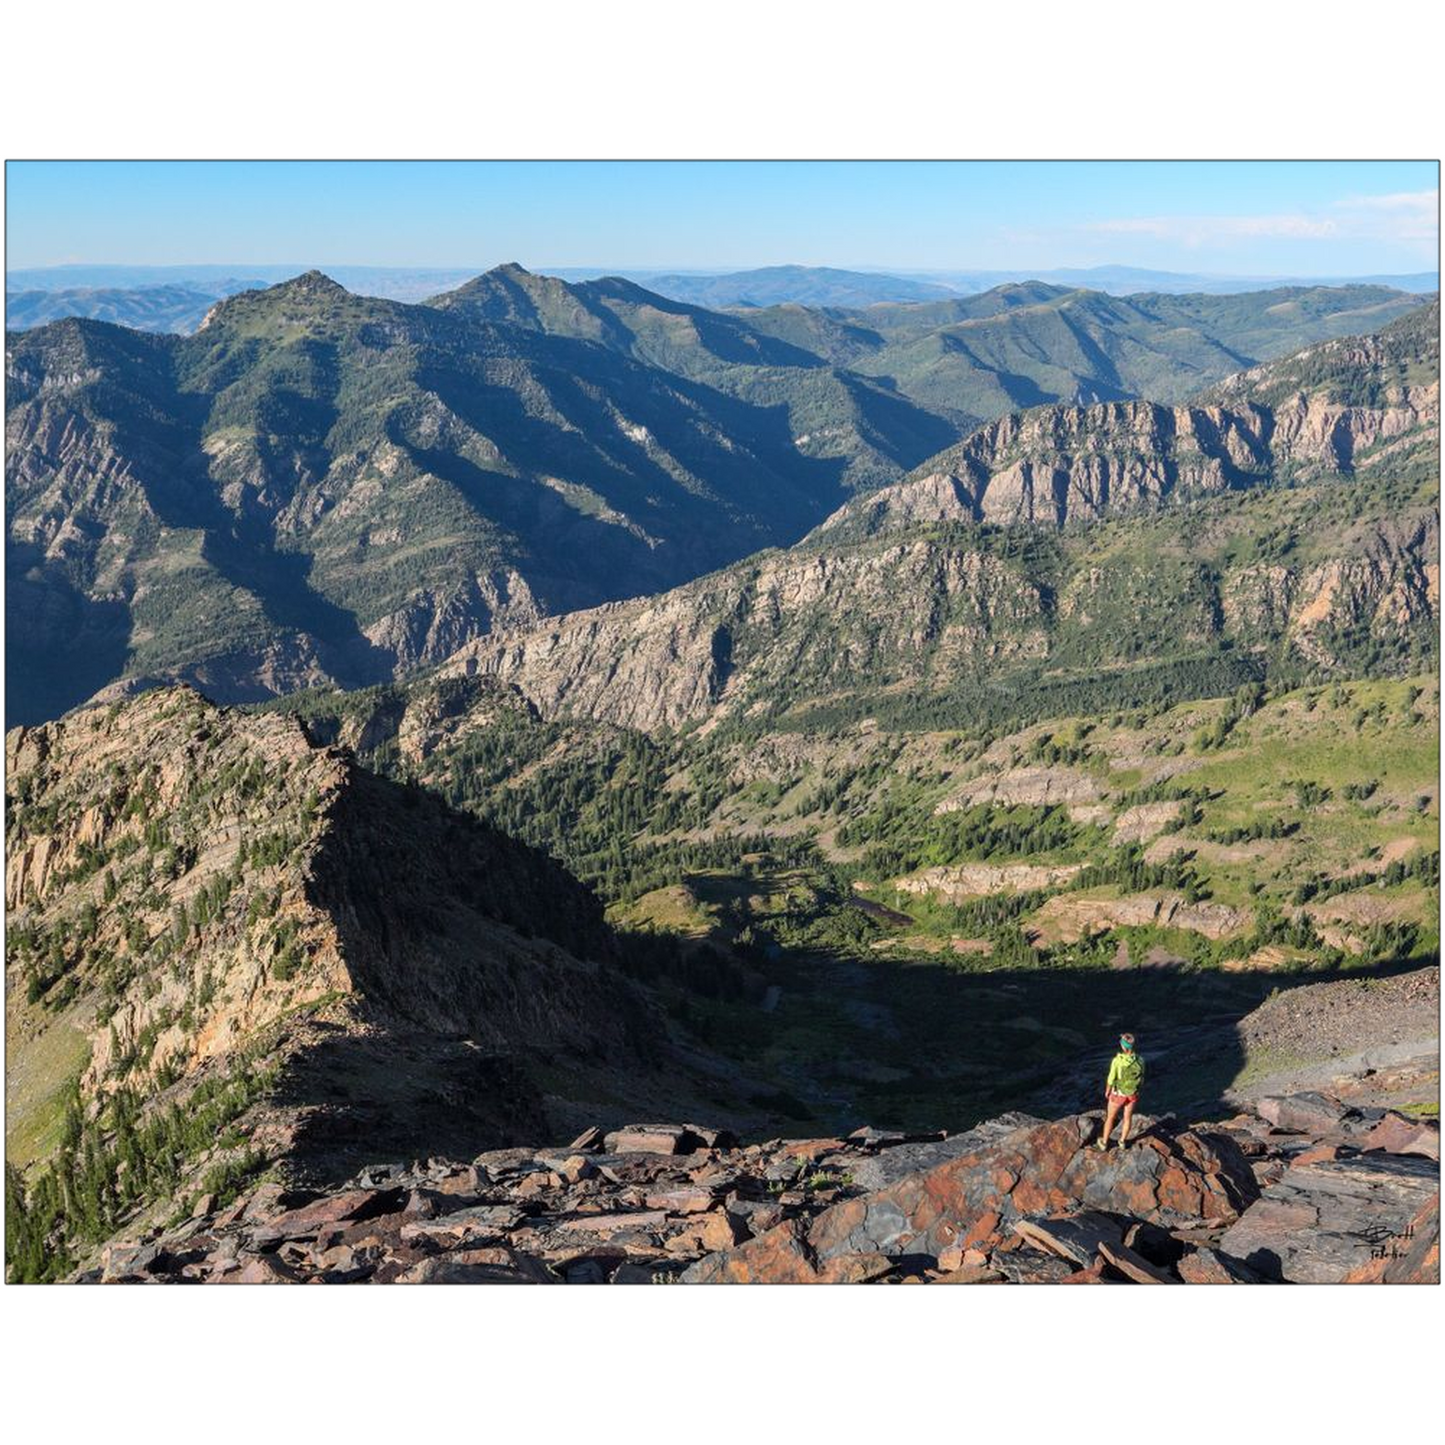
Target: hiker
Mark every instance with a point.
(1121, 1091)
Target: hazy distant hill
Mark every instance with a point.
(797, 285)
(146, 308)
(1130, 280)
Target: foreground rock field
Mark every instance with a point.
(1302, 1188)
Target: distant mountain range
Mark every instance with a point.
(148, 297)
(319, 487)
(787, 717)
(175, 308)
(795, 285)
(1131, 280)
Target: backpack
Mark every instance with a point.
(1130, 1073)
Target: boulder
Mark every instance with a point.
(448, 1269)
(1165, 1177)
(1323, 1221)
(609, 1224)
(1319, 1115)
(654, 1139)
(1398, 1134)
(129, 1261)
(1076, 1237)
(1032, 1266)
(781, 1256)
(689, 1199)
(481, 1221)
(1207, 1266)
(351, 1205)
(914, 1156)
(575, 1168)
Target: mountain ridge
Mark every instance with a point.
(318, 487)
(948, 559)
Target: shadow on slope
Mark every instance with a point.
(925, 1045)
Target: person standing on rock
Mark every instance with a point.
(1121, 1091)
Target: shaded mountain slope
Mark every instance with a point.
(208, 917)
(318, 487)
(858, 423)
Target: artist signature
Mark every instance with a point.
(1386, 1245)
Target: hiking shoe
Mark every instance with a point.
(1101, 1146)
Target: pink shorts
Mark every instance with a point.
(1115, 1097)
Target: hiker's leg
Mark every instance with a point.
(1124, 1128)
(1110, 1112)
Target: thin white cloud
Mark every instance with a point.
(1201, 230)
(1407, 216)
(1421, 202)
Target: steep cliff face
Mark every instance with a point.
(929, 610)
(1358, 405)
(198, 898)
(832, 618)
(1060, 465)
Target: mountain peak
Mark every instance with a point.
(311, 283)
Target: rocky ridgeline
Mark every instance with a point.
(1303, 1188)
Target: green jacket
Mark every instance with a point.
(1126, 1073)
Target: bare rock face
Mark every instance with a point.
(975, 880)
(1164, 1177)
(1058, 464)
(1031, 786)
(663, 661)
(837, 615)
(437, 622)
(1324, 1220)
(1066, 919)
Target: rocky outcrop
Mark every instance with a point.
(760, 627)
(436, 622)
(849, 620)
(1039, 787)
(1325, 1219)
(1056, 465)
(976, 880)
(1066, 919)
(1015, 1199)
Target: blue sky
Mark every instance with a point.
(1240, 218)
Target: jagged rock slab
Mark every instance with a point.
(1323, 1221)
(897, 1162)
(1077, 1237)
